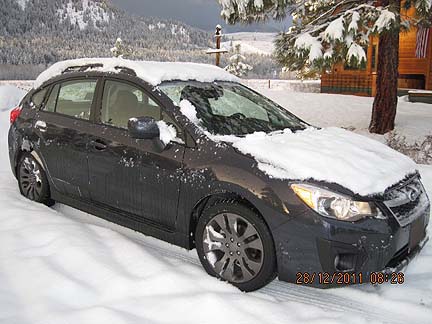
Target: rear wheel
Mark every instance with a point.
(32, 180)
(235, 245)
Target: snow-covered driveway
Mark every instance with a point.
(59, 265)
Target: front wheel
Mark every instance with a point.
(235, 245)
(32, 180)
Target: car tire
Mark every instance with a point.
(32, 180)
(234, 244)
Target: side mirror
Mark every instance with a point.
(143, 128)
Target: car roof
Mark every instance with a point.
(153, 73)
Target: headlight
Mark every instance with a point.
(334, 205)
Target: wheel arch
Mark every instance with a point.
(209, 200)
(34, 153)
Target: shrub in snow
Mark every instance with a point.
(237, 65)
(120, 50)
(419, 151)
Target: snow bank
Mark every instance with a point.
(151, 72)
(334, 155)
(10, 96)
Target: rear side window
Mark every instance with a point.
(37, 98)
(75, 98)
(52, 99)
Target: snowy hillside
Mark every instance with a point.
(59, 265)
(22, 3)
(90, 12)
(251, 43)
(33, 32)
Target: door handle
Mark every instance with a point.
(98, 145)
(41, 125)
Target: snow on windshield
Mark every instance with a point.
(229, 108)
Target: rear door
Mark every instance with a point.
(63, 125)
(128, 174)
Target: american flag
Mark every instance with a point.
(422, 41)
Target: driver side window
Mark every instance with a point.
(122, 101)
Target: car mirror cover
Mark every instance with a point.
(143, 128)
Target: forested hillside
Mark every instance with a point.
(36, 33)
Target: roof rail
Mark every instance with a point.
(83, 68)
(126, 70)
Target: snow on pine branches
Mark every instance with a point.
(326, 31)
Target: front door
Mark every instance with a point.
(128, 174)
(62, 126)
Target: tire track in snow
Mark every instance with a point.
(279, 291)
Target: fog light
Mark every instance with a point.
(345, 262)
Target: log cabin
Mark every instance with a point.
(414, 72)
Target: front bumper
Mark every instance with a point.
(325, 247)
(403, 262)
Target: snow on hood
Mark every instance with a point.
(334, 155)
(151, 72)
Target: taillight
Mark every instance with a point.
(14, 114)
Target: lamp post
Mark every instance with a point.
(218, 50)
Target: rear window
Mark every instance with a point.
(72, 98)
(37, 98)
(52, 99)
(75, 98)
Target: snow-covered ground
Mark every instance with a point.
(413, 120)
(60, 265)
(251, 43)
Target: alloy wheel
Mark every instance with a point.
(31, 179)
(233, 247)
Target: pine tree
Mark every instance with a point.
(325, 32)
(236, 64)
(119, 49)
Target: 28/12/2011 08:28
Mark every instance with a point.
(346, 278)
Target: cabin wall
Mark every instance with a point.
(413, 71)
(352, 81)
(347, 83)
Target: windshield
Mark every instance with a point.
(227, 108)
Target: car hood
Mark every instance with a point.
(334, 155)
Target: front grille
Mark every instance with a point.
(407, 202)
(402, 210)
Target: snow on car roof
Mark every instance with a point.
(151, 72)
